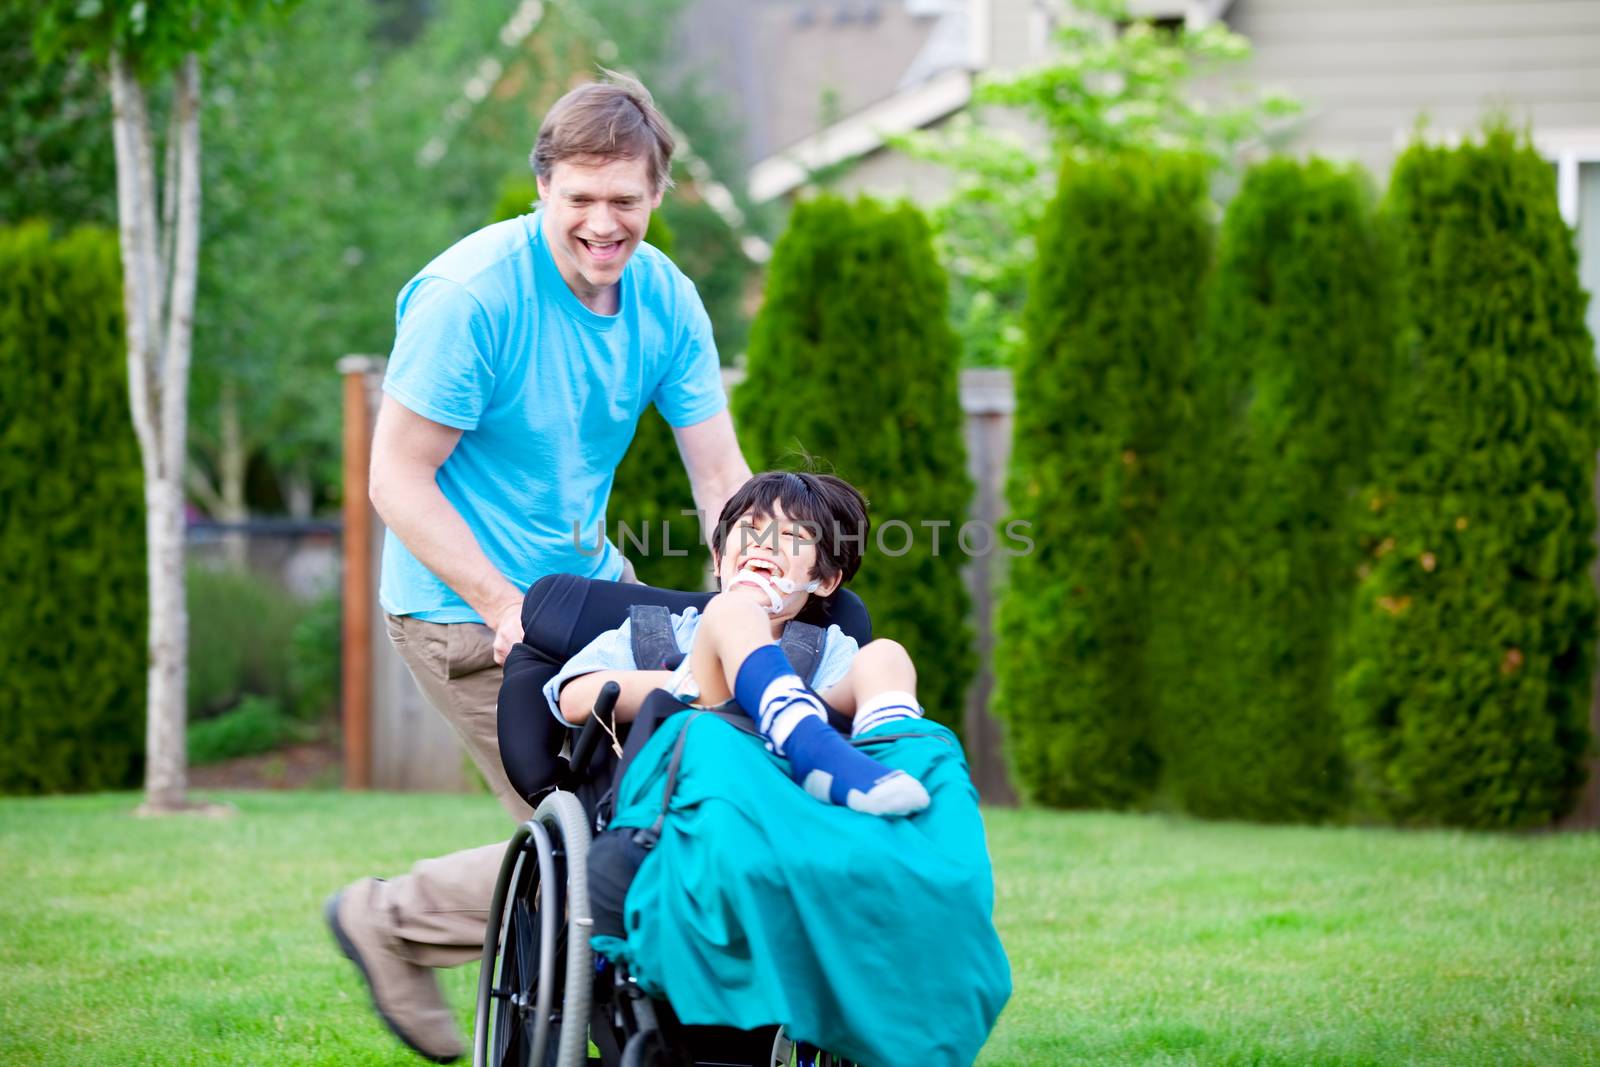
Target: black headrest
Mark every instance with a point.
(564, 612)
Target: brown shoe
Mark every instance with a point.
(406, 995)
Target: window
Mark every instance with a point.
(1589, 239)
(1577, 165)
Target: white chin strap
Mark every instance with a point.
(778, 589)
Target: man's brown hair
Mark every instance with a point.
(605, 120)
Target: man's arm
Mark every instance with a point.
(407, 451)
(715, 464)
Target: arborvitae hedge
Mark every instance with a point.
(72, 561)
(651, 490)
(1470, 647)
(1111, 320)
(1288, 391)
(853, 362)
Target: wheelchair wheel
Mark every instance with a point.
(537, 976)
(646, 1049)
(782, 1054)
(787, 1053)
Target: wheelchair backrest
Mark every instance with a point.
(564, 612)
(560, 615)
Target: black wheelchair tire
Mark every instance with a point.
(647, 1049)
(547, 860)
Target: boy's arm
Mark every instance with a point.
(579, 694)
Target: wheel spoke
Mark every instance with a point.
(519, 964)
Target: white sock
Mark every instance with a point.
(885, 707)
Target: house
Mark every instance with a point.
(818, 83)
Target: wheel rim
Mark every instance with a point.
(513, 1032)
(521, 1028)
(549, 912)
(532, 980)
(782, 1054)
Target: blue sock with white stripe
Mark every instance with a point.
(794, 723)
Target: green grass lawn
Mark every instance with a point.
(1133, 939)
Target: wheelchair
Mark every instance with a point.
(544, 998)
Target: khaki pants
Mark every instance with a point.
(436, 914)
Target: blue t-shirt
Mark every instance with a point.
(490, 340)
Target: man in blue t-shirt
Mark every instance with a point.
(523, 358)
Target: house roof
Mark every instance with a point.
(816, 81)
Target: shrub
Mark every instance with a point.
(1467, 687)
(72, 539)
(241, 640)
(1295, 365)
(256, 725)
(1110, 321)
(316, 660)
(853, 361)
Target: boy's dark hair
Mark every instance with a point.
(830, 506)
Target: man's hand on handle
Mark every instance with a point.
(507, 624)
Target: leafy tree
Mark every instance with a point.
(1111, 323)
(145, 46)
(852, 362)
(1467, 684)
(72, 557)
(55, 132)
(1120, 83)
(1257, 570)
(318, 210)
(309, 238)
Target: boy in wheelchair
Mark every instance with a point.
(778, 531)
(717, 886)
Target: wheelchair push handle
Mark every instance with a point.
(589, 736)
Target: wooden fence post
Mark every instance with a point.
(356, 680)
(393, 738)
(987, 401)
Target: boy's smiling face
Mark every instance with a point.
(775, 547)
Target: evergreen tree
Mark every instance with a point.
(72, 561)
(1255, 582)
(854, 365)
(1466, 695)
(1111, 321)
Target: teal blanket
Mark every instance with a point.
(869, 937)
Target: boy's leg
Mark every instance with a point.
(734, 652)
(879, 687)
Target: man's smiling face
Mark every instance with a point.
(595, 214)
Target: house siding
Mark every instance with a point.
(786, 68)
(1366, 70)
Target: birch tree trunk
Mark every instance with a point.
(159, 274)
(232, 466)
